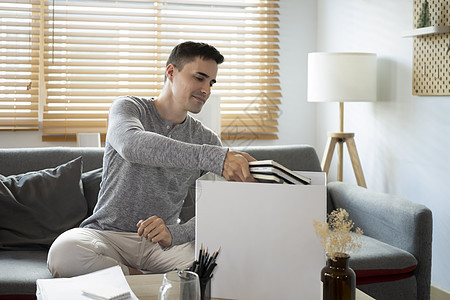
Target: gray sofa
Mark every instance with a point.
(394, 263)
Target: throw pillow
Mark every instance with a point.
(38, 206)
(91, 186)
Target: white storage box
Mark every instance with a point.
(269, 249)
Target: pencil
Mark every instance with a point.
(205, 264)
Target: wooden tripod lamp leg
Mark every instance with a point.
(341, 138)
(356, 162)
(328, 154)
(340, 165)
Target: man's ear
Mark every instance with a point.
(169, 71)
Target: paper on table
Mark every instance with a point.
(106, 292)
(72, 288)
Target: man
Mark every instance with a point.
(154, 151)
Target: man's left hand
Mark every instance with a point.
(155, 230)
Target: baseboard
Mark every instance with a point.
(438, 293)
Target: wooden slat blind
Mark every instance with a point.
(98, 50)
(19, 64)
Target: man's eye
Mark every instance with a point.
(199, 78)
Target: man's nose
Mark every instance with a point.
(206, 89)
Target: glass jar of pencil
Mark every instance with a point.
(180, 285)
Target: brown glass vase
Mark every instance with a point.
(339, 280)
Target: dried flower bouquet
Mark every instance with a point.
(336, 235)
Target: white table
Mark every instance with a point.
(146, 287)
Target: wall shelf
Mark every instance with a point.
(426, 31)
(431, 57)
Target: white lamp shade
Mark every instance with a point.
(342, 77)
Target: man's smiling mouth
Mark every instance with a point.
(199, 98)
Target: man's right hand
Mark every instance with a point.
(235, 167)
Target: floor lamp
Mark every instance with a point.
(342, 77)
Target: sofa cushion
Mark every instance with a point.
(381, 262)
(91, 187)
(38, 206)
(20, 269)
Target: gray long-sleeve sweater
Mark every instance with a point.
(148, 167)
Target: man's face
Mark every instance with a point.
(191, 86)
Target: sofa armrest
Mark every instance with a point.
(390, 219)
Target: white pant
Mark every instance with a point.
(82, 250)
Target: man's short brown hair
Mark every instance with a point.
(187, 52)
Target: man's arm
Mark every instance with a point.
(127, 136)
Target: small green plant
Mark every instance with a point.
(424, 18)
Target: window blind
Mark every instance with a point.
(98, 50)
(19, 64)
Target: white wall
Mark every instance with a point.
(402, 139)
(298, 30)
